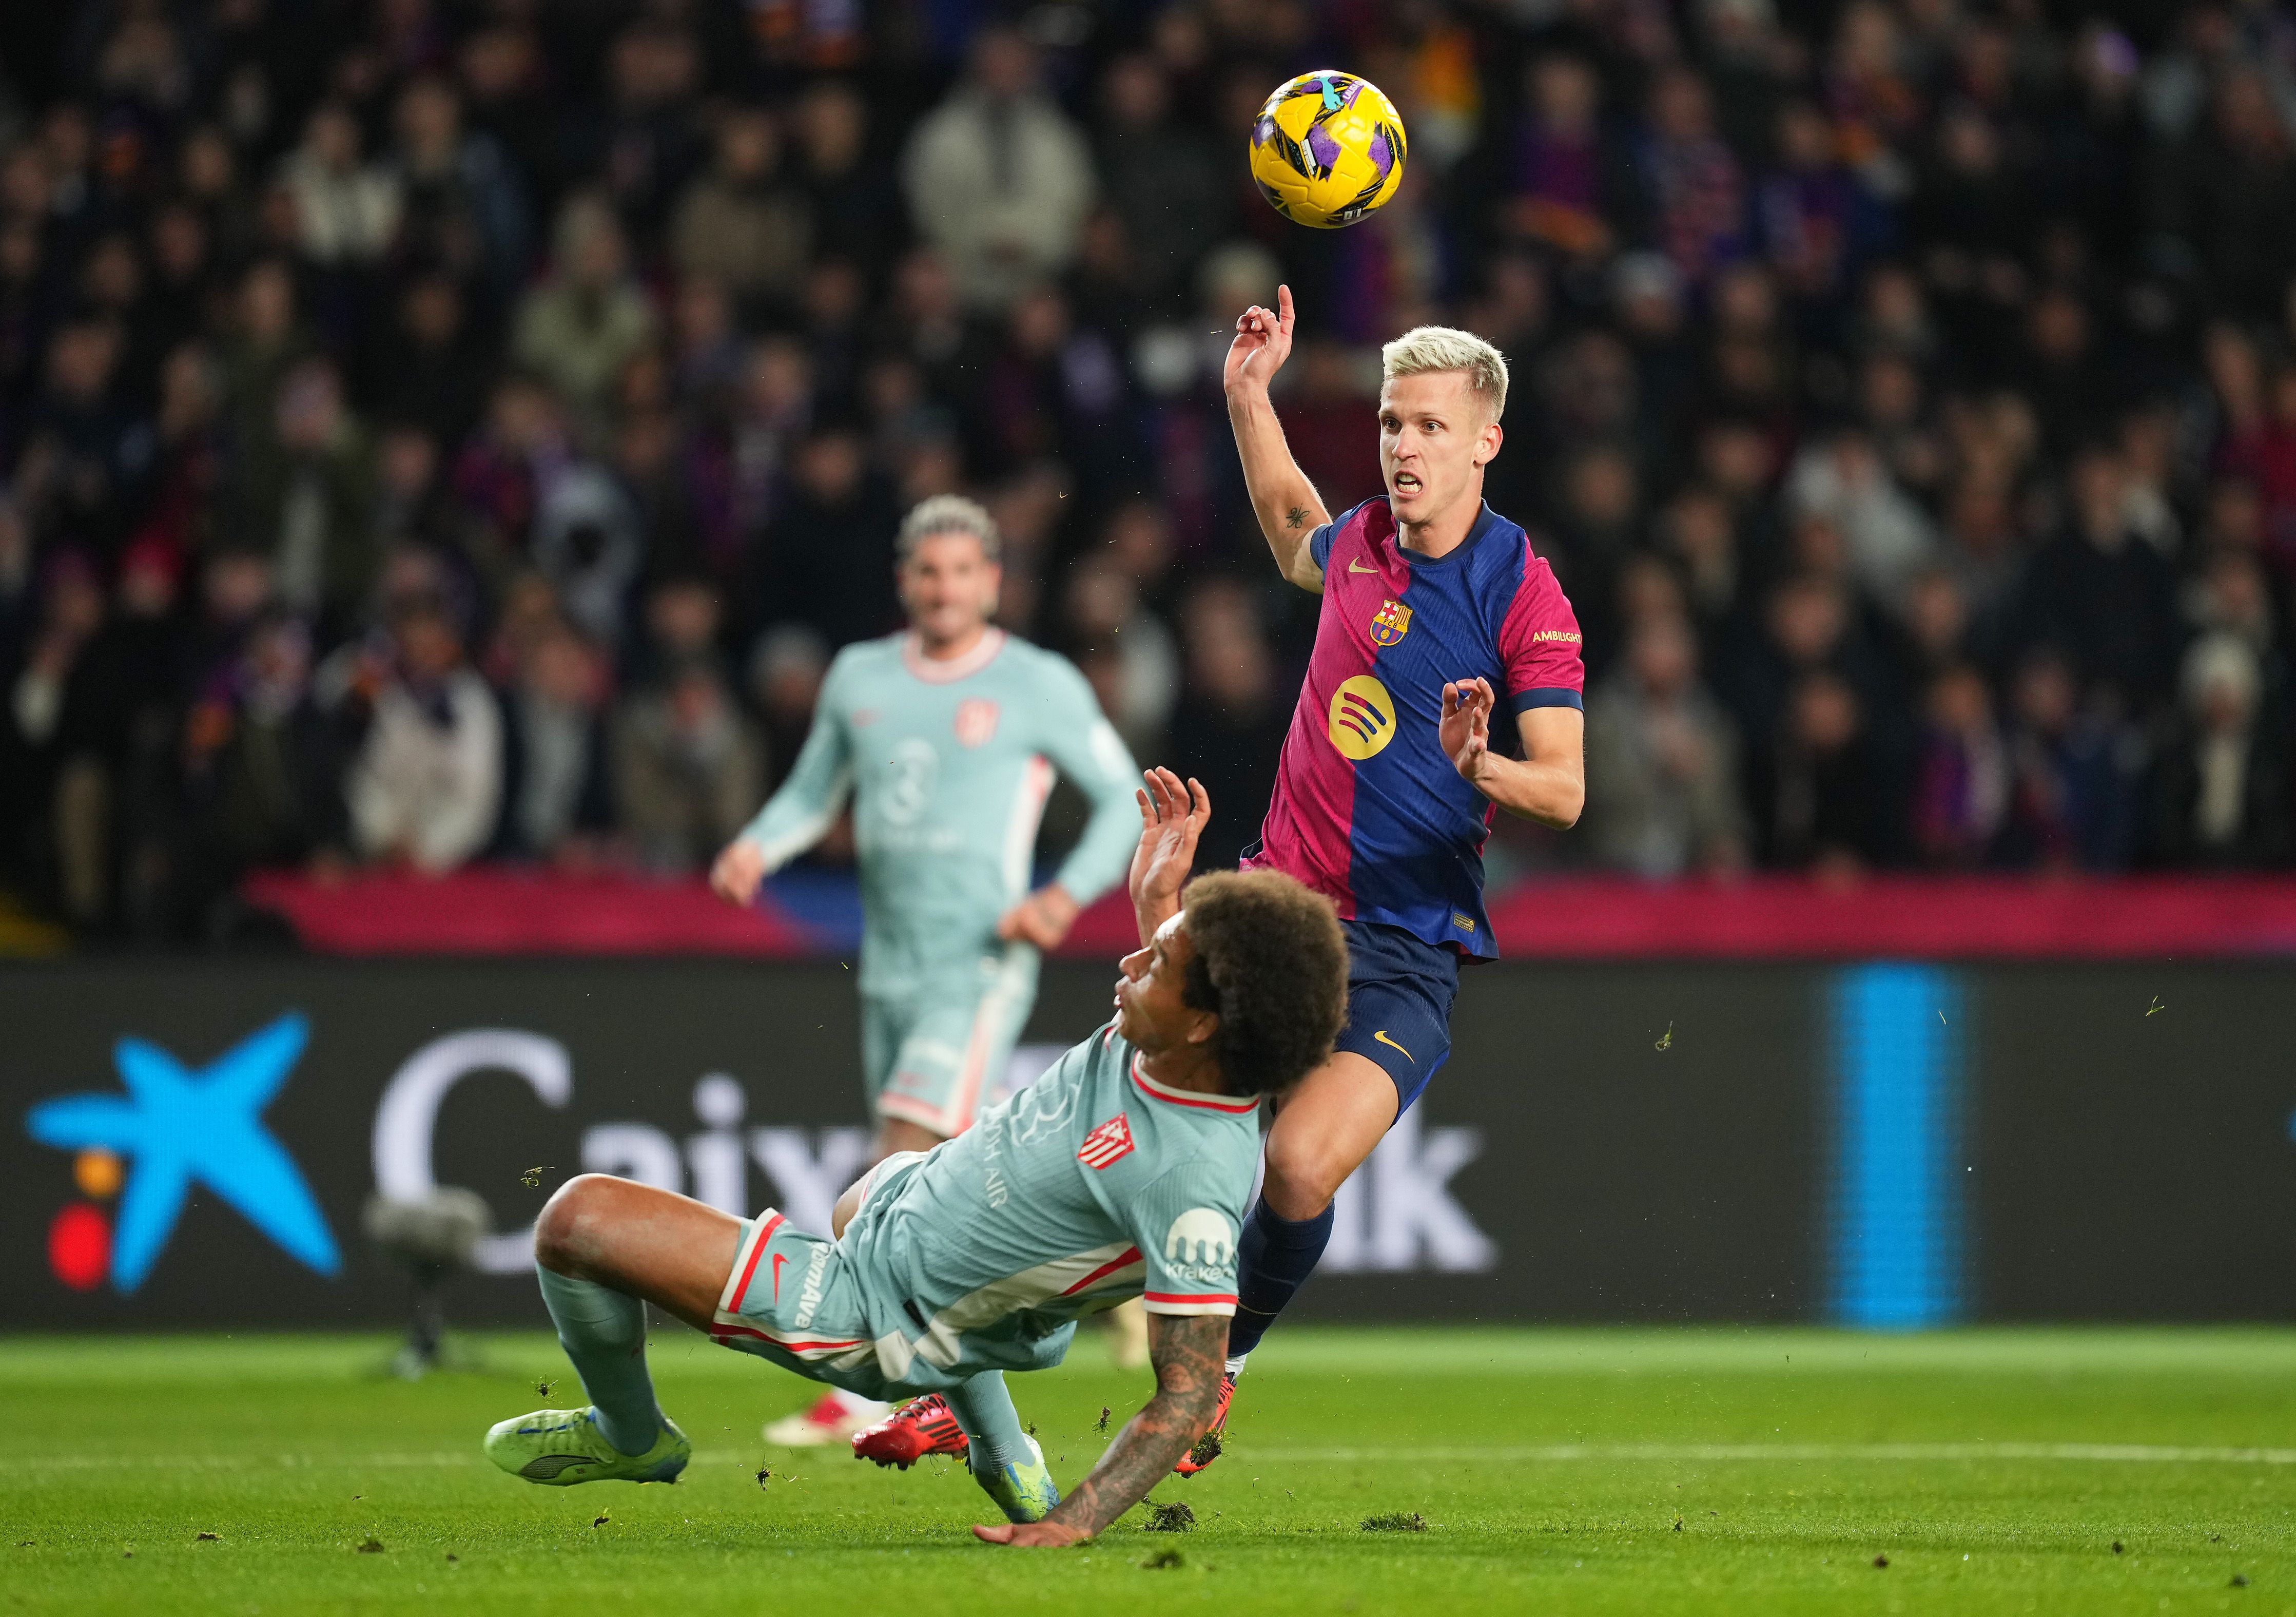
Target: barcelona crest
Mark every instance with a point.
(1392, 623)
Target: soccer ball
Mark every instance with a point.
(1327, 149)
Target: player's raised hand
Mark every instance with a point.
(1466, 726)
(1263, 342)
(734, 877)
(1173, 815)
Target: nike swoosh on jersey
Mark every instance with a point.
(1355, 564)
(781, 1258)
(1381, 1037)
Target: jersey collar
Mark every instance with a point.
(1190, 1097)
(1386, 537)
(935, 671)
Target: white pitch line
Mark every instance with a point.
(1495, 1454)
(1474, 1454)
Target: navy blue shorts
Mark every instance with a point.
(1400, 994)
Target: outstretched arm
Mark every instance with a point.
(1189, 1353)
(794, 818)
(1172, 817)
(1282, 498)
(1549, 785)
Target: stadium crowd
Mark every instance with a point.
(442, 429)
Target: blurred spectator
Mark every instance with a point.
(2100, 590)
(580, 328)
(426, 785)
(2217, 201)
(464, 206)
(1566, 188)
(428, 368)
(1163, 171)
(2072, 799)
(738, 224)
(1228, 727)
(1963, 785)
(1847, 482)
(1331, 423)
(87, 451)
(1661, 763)
(262, 767)
(787, 666)
(62, 735)
(1822, 806)
(346, 210)
(998, 179)
(556, 799)
(1103, 611)
(2222, 797)
(305, 495)
(1815, 224)
(687, 766)
(18, 598)
(854, 200)
(1697, 190)
(828, 556)
(587, 543)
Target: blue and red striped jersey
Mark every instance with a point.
(1368, 808)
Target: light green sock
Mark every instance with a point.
(604, 1332)
(984, 1408)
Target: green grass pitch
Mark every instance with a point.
(1695, 1471)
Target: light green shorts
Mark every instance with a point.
(931, 1055)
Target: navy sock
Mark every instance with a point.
(1273, 1260)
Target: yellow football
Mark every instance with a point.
(1327, 149)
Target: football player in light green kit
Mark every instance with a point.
(1123, 1171)
(946, 737)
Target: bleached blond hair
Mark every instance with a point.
(1446, 348)
(948, 513)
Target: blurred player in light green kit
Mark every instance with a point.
(948, 738)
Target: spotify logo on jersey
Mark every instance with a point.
(1363, 718)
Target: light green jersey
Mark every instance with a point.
(948, 765)
(1092, 1184)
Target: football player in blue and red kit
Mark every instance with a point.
(1438, 617)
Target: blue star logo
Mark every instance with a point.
(180, 1127)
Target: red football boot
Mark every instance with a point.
(921, 1426)
(1206, 1447)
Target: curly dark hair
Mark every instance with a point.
(1270, 961)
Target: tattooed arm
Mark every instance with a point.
(1282, 496)
(1189, 1353)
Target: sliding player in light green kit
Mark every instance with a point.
(1124, 1170)
(948, 738)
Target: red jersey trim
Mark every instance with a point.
(1190, 1097)
(1130, 1257)
(793, 1343)
(748, 1270)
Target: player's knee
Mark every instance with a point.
(1303, 1175)
(847, 1206)
(569, 1222)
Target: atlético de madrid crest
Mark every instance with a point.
(976, 721)
(1390, 623)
